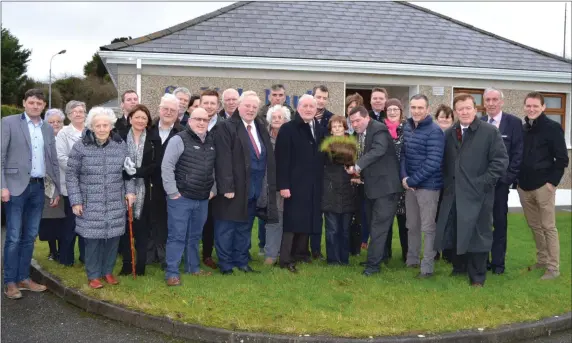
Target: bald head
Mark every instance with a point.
(199, 121)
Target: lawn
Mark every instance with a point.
(339, 301)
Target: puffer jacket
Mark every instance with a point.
(94, 179)
(422, 154)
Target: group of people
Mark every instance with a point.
(197, 172)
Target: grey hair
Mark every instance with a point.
(100, 112)
(182, 90)
(226, 91)
(492, 89)
(285, 112)
(73, 104)
(307, 96)
(169, 98)
(53, 112)
(248, 94)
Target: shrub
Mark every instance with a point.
(9, 110)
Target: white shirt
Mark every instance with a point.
(213, 121)
(254, 134)
(164, 133)
(496, 119)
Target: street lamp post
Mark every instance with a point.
(50, 83)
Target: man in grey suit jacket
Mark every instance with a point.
(28, 155)
(377, 163)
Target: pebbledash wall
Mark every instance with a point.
(155, 80)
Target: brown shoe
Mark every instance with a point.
(29, 285)
(269, 261)
(477, 284)
(12, 292)
(110, 279)
(550, 274)
(173, 281)
(209, 262)
(202, 273)
(536, 267)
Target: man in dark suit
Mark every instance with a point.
(511, 131)
(229, 103)
(300, 169)
(244, 158)
(28, 156)
(378, 98)
(377, 164)
(129, 99)
(184, 97)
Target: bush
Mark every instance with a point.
(9, 110)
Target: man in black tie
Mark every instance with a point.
(379, 169)
(510, 128)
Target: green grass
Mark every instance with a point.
(339, 301)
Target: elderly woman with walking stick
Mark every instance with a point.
(99, 194)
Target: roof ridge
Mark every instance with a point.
(474, 28)
(175, 28)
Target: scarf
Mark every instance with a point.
(135, 152)
(320, 114)
(392, 128)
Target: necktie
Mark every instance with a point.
(361, 143)
(491, 121)
(464, 131)
(312, 130)
(256, 151)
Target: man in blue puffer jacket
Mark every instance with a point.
(421, 175)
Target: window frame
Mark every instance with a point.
(556, 111)
(457, 90)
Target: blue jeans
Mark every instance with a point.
(23, 215)
(185, 220)
(232, 240)
(67, 242)
(338, 237)
(316, 239)
(261, 233)
(100, 256)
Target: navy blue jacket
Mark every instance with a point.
(512, 133)
(422, 154)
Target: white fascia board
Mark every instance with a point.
(349, 67)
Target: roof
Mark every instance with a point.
(322, 30)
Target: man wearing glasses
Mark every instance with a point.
(188, 178)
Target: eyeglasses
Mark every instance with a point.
(389, 110)
(201, 120)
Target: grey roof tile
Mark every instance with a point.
(321, 30)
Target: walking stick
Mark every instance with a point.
(130, 210)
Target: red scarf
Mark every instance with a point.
(392, 128)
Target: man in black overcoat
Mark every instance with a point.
(300, 168)
(475, 158)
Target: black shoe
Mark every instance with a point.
(227, 272)
(52, 257)
(126, 269)
(291, 268)
(248, 269)
(318, 256)
(458, 273)
(368, 272)
(424, 275)
(364, 263)
(498, 271)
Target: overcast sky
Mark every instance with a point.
(81, 28)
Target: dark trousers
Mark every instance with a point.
(365, 221)
(68, 237)
(381, 211)
(401, 219)
(261, 233)
(141, 241)
(500, 211)
(232, 240)
(355, 234)
(337, 237)
(294, 248)
(208, 234)
(316, 239)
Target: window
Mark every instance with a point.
(477, 94)
(555, 107)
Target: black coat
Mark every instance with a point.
(232, 170)
(338, 194)
(121, 124)
(150, 165)
(379, 165)
(382, 116)
(471, 169)
(545, 154)
(300, 168)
